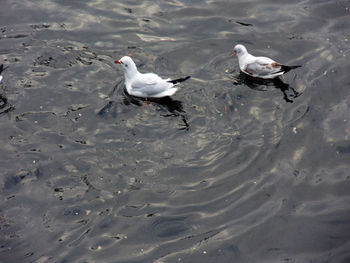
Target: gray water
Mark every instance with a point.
(228, 170)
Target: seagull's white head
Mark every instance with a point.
(239, 50)
(127, 64)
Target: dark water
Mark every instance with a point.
(229, 170)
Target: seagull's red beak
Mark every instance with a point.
(234, 53)
(117, 61)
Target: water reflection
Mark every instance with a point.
(5, 106)
(289, 93)
(170, 107)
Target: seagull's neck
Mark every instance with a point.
(131, 73)
(245, 57)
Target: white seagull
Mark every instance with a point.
(259, 67)
(146, 85)
(1, 70)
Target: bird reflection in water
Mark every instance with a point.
(5, 106)
(171, 107)
(289, 93)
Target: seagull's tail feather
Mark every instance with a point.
(285, 69)
(174, 81)
(2, 68)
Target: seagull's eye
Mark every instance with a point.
(126, 65)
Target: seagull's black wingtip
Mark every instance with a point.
(285, 69)
(174, 81)
(2, 68)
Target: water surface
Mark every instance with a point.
(228, 170)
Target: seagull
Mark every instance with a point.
(1, 70)
(146, 85)
(259, 67)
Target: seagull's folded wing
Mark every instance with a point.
(263, 66)
(150, 84)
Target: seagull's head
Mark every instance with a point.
(127, 63)
(239, 50)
